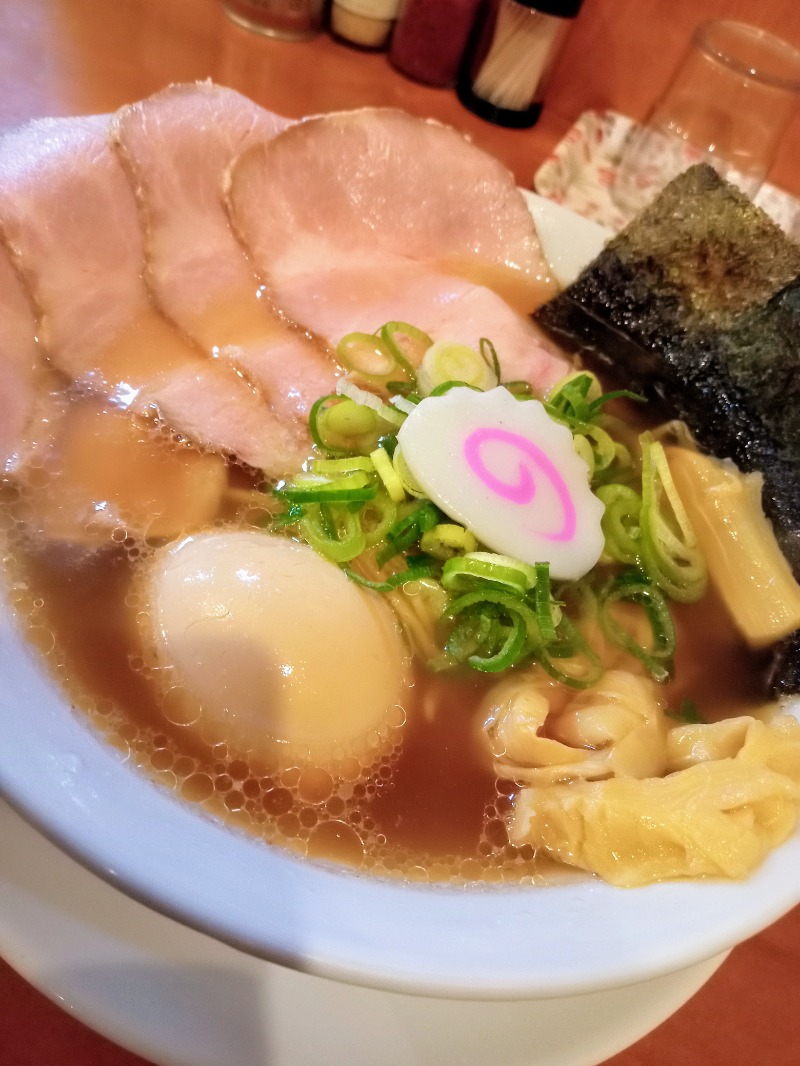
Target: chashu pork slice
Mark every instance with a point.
(359, 184)
(176, 146)
(20, 367)
(70, 220)
(395, 217)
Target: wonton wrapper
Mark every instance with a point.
(615, 729)
(716, 818)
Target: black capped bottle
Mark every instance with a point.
(513, 50)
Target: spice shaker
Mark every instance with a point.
(366, 23)
(510, 57)
(430, 37)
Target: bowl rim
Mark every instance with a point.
(486, 942)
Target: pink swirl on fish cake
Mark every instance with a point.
(524, 490)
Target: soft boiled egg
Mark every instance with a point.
(286, 656)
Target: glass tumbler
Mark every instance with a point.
(289, 20)
(728, 104)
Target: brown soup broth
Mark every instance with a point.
(431, 809)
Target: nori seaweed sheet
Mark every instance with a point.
(697, 303)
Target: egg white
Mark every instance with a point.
(283, 653)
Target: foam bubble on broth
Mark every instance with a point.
(322, 817)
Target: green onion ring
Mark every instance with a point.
(579, 666)
(413, 573)
(631, 587)
(464, 573)
(621, 522)
(333, 531)
(407, 344)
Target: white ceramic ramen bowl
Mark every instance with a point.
(488, 942)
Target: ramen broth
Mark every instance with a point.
(431, 808)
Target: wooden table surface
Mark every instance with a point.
(60, 57)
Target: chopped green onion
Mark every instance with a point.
(446, 386)
(333, 531)
(342, 466)
(504, 643)
(340, 426)
(523, 390)
(377, 515)
(489, 356)
(633, 587)
(404, 404)
(621, 522)
(448, 361)
(446, 540)
(603, 450)
(616, 394)
(577, 398)
(407, 344)
(408, 530)
(463, 573)
(389, 444)
(316, 420)
(543, 600)
(508, 654)
(469, 634)
(623, 460)
(569, 398)
(411, 486)
(495, 612)
(350, 419)
(307, 488)
(388, 475)
(584, 449)
(412, 573)
(386, 413)
(569, 659)
(579, 600)
(293, 513)
(372, 358)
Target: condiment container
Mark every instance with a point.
(366, 23)
(290, 20)
(430, 37)
(510, 57)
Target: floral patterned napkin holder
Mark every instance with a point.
(580, 174)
